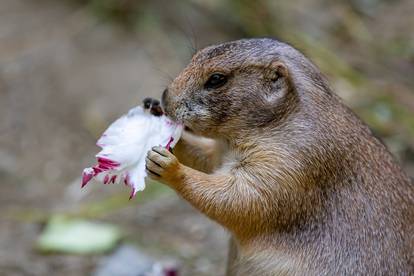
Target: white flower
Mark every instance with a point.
(125, 145)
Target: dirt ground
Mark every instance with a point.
(64, 76)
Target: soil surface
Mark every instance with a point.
(63, 78)
(65, 75)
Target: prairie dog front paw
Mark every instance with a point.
(163, 166)
(153, 105)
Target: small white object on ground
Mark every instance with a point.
(125, 145)
(77, 236)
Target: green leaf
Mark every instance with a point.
(75, 236)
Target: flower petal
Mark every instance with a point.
(124, 147)
(133, 193)
(87, 175)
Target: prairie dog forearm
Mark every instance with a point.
(225, 198)
(197, 152)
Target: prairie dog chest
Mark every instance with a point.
(231, 161)
(268, 263)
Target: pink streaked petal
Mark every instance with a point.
(87, 175)
(96, 170)
(124, 144)
(133, 193)
(107, 161)
(127, 180)
(105, 167)
(168, 146)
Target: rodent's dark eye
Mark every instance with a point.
(215, 81)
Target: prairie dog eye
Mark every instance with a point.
(215, 81)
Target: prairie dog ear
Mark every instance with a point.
(278, 81)
(276, 70)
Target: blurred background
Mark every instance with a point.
(69, 68)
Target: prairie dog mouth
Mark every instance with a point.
(157, 108)
(186, 128)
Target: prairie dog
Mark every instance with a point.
(298, 180)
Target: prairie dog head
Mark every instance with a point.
(234, 87)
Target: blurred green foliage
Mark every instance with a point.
(365, 47)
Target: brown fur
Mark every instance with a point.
(299, 181)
